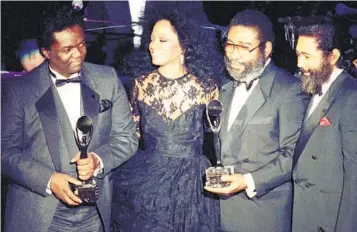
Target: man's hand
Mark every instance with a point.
(237, 184)
(60, 188)
(86, 167)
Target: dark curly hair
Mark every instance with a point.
(257, 20)
(201, 55)
(328, 35)
(56, 20)
(325, 35)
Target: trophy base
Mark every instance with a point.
(87, 192)
(213, 176)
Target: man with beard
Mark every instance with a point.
(325, 159)
(260, 127)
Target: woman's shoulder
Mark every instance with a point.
(145, 76)
(207, 82)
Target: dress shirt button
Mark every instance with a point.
(296, 181)
(314, 157)
(308, 185)
(246, 159)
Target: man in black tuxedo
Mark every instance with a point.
(39, 152)
(325, 159)
(264, 112)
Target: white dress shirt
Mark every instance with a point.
(324, 88)
(70, 95)
(240, 97)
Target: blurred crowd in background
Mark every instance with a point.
(113, 28)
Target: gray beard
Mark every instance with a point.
(248, 74)
(310, 84)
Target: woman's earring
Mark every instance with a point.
(182, 60)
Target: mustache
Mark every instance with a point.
(231, 61)
(302, 71)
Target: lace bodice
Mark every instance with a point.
(171, 98)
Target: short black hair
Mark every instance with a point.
(325, 34)
(57, 20)
(257, 20)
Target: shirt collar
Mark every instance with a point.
(59, 76)
(335, 73)
(267, 62)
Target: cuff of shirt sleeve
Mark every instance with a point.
(250, 190)
(101, 165)
(48, 188)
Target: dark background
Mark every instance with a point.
(22, 20)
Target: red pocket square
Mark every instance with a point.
(324, 122)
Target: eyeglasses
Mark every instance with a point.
(241, 49)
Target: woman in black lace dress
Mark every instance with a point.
(160, 189)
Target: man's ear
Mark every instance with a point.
(45, 53)
(335, 55)
(268, 49)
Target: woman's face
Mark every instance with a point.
(164, 45)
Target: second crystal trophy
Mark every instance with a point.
(214, 109)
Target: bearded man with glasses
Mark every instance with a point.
(264, 112)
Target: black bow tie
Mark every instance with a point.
(61, 82)
(247, 85)
(318, 90)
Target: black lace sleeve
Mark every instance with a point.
(135, 108)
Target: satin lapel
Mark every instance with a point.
(90, 98)
(253, 104)
(90, 102)
(324, 104)
(226, 98)
(46, 108)
(256, 100)
(312, 122)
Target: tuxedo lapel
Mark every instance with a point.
(226, 97)
(90, 98)
(324, 104)
(255, 101)
(253, 104)
(90, 101)
(50, 117)
(46, 109)
(320, 111)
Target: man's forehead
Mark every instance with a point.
(307, 44)
(242, 33)
(69, 36)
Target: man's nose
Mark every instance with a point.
(300, 62)
(235, 53)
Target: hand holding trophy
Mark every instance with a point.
(88, 191)
(214, 109)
